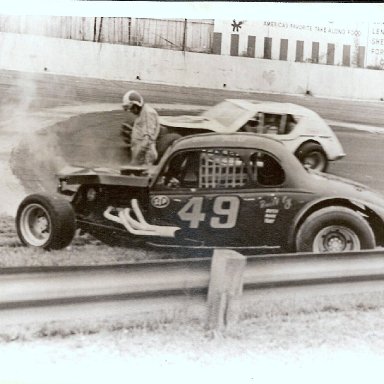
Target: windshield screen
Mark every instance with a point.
(226, 113)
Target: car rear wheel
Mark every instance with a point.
(334, 229)
(312, 155)
(165, 141)
(45, 221)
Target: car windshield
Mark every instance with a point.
(226, 113)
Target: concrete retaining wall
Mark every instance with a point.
(122, 62)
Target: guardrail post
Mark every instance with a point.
(225, 288)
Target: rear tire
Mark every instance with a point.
(45, 221)
(334, 229)
(312, 155)
(165, 141)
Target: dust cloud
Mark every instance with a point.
(26, 147)
(15, 124)
(38, 118)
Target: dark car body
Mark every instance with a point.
(238, 190)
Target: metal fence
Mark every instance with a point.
(177, 34)
(220, 290)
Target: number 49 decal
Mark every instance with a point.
(226, 209)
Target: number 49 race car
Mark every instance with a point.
(239, 191)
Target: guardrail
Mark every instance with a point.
(216, 289)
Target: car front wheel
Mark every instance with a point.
(334, 229)
(45, 221)
(311, 155)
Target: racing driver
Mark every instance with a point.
(145, 129)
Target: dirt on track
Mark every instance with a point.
(87, 140)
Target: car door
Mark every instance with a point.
(207, 193)
(279, 198)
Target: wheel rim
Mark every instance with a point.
(314, 160)
(35, 225)
(336, 238)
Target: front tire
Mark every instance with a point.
(334, 229)
(45, 221)
(312, 155)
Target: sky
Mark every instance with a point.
(309, 12)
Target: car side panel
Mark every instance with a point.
(278, 208)
(219, 218)
(228, 218)
(313, 130)
(331, 147)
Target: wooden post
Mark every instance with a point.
(185, 35)
(94, 29)
(225, 288)
(100, 29)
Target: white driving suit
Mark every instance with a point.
(145, 131)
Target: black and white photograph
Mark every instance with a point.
(191, 192)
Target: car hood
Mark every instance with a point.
(193, 122)
(338, 187)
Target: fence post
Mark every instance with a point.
(100, 29)
(225, 288)
(94, 29)
(185, 35)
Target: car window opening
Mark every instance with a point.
(279, 124)
(266, 170)
(220, 169)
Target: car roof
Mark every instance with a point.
(273, 107)
(235, 140)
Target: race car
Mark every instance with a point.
(302, 130)
(237, 191)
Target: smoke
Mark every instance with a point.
(26, 152)
(13, 127)
(34, 113)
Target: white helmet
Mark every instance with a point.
(131, 98)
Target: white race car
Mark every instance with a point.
(301, 130)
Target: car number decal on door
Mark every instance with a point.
(225, 208)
